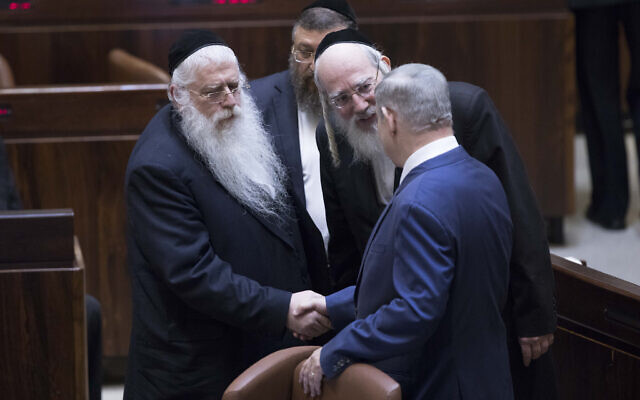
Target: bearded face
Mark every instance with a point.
(237, 150)
(304, 86)
(365, 141)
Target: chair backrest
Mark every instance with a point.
(6, 76)
(358, 381)
(275, 377)
(127, 68)
(270, 377)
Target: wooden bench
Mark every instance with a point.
(42, 307)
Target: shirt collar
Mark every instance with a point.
(428, 151)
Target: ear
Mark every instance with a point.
(390, 118)
(173, 90)
(386, 60)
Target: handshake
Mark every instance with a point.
(308, 316)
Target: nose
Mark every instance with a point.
(229, 99)
(359, 103)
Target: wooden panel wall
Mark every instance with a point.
(526, 65)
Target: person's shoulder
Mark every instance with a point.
(271, 82)
(462, 93)
(160, 142)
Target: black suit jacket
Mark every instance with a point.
(353, 208)
(276, 100)
(211, 280)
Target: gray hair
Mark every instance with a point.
(322, 19)
(419, 94)
(184, 74)
(375, 57)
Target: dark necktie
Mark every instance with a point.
(396, 178)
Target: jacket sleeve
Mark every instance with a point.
(423, 271)
(167, 228)
(531, 299)
(344, 258)
(341, 307)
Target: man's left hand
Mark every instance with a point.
(311, 375)
(533, 347)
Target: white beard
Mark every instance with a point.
(239, 154)
(366, 143)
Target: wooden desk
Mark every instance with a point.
(597, 344)
(42, 312)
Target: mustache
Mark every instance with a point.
(366, 113)
(226, 113)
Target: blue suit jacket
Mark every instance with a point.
(431, 287)
(211, 280)
(276, 101)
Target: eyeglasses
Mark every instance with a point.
(363, 90)
(302, 56)
(219, 96)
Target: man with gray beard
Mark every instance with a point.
(219, 270)
(358, 181)
(291, 110)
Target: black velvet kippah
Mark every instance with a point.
(344, 36)
(339, 6)
(190, 42)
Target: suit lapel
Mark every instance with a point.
(284, 233)
(286, 136)
(360, 183)
(371, 238)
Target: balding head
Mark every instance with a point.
(413, 110)
(419, 94)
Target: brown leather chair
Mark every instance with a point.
(127, 68)
(6, 76)
(275, 377)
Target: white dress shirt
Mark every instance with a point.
(310, 157)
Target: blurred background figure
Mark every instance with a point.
(598, 73)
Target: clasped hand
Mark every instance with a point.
(308, 317)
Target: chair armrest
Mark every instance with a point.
(358, 381)
(270, 377)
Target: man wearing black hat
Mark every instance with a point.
(358, 181)
(291, 110)
(214, 246)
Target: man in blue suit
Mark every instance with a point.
(358, 181)
(427, 305)
(291, 110)
(218, 267)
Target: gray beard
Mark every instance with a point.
(366, 144)
(308, 100)
(239, 154)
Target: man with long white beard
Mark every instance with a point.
(358, 181)
(218, 266)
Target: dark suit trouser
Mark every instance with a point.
(598, 83)
(94, 347)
